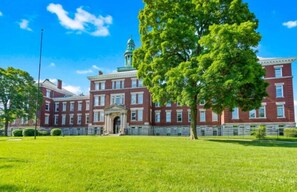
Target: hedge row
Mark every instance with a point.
(290, 132)
(30, 132)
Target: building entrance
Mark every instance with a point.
(116, 125)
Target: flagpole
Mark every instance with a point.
(38, 83)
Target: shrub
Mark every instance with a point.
(290, 132)
(17, 133)
(56, 132)
(260, 132)
(43, 133)
(29, 132)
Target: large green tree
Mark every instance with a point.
(18, 94)
(200, 50)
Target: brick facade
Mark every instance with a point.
(119, 104)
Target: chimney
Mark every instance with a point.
(59, 84)
(100, 73)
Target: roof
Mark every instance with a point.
(115, 75)
(50, 85)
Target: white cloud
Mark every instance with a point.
(24, 24)
(84, 71)
(290, 24)
(1, 14)
(96, 67)
(83, 21)
(52, 64)
(73, 89)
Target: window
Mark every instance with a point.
(87, 118)
(57, 107)
(214, 116)
(71, 106)
(139, 82)
(202, 116)
(168, 104)
(157, 104)
(102, 100)
(139, 115)
(79, 106)
(140, 98)
(189, 116)
(252, 114)
(46, 119)
(117, 99)
(48, 93)
(134, 83)
(278, 71)
(100, 85)
(262, 111)
(99, 100)
(133, 98)
(56, 120)
(87, 105)
(235, 113)
(96, 100)
(63, 119)
(64, 106)
(101, 116)
(168, 116)
(118, 84)
(24, 120)
(79, 119)
(71, 119)
(279, 90)
(136, 98)
(179, 116)
(47, 105)
(96, 116)
(133, 115)
(178, 104)
(157, 117)
(280, 111)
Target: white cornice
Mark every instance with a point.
(116, 75)
(277, 61)
(72, 98)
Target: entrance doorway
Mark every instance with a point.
(116, 125)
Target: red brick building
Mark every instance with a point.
(118, 103)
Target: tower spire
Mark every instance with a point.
(128, 56)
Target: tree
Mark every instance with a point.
(200, 50)
(18, 93)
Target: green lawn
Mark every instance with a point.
(94, 163)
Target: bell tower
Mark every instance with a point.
(128, 56)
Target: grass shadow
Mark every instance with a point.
(259, 143)
(7, 187)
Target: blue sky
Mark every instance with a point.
(84, 36)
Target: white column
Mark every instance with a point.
(105, 123)
(110, 125)
(122, 123)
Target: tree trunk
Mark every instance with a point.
(193, 134)
(6, 127)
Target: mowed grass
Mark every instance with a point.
(94, 163)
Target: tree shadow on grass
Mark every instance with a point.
(6, 187)
(13, 188)
(259, 143)
(10, 162)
